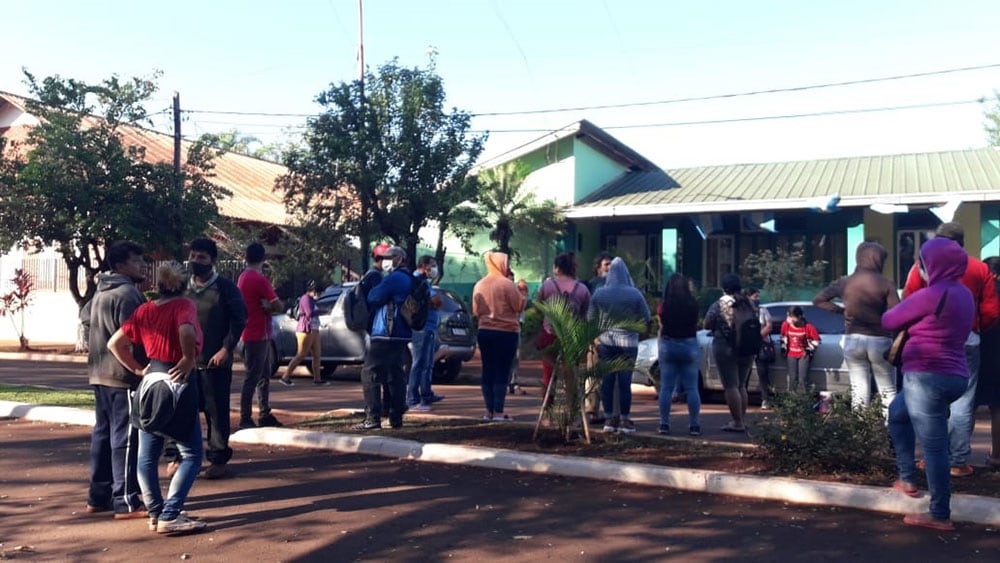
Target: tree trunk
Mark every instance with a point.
(440, 250)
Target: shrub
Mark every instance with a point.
(780, 272)
(706, 297)
(798, 439)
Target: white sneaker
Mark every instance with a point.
(421, 408)
(180, 525)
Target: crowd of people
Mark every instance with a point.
(156, 365)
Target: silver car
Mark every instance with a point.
(341, 345)
(827, 371)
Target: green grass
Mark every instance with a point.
(46, 396)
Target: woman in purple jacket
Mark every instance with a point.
(938, 319)
(307, 333)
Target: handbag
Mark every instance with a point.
(766, 354)
(895, 353)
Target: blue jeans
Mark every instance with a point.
(622, 380)
(497, 349)
(920, 412)
(865, 359)
(191, 454)
(418, 387)
(678, 358)
(963, 410)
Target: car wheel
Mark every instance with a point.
(327, 368)
(447, 371)
(654, 376)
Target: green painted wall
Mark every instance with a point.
(593, 170)
(969, 214)
(989, 232)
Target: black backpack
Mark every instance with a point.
(417, 304)
(744, 336)
(356, 314)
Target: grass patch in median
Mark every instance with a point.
(47, 396)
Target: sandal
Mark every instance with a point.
(730, 427)
(908, 489)
(925, 520)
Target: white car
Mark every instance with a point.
(827, 372)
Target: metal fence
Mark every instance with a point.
(51, 273)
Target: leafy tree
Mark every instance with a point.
(16, 301)
(504, 203)
(231, 141)
(383, 158)
(777, 272)
(81, 184)
(993, 123)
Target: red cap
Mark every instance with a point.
(380, 249)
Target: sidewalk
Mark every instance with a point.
(463, 399)
(305, 400)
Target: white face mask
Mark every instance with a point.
(387, 265)
(433, 274)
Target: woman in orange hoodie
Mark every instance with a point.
(498, 304)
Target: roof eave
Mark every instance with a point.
(800, 204)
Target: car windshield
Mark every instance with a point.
(825, 321)
(450, 303)
(325, 304)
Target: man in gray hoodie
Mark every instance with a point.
(114, 442)
(866, 294)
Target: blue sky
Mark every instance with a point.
(514, 55)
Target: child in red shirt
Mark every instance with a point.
(799, 339)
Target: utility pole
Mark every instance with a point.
(363, 239)
(178, 186)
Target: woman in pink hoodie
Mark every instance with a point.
(498, 304)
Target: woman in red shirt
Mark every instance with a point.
(168, 330)
(799, 340)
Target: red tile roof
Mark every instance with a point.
(251, 180)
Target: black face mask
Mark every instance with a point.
(200, 270)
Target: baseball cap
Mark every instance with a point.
(380, 249)
(394, 252)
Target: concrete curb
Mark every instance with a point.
(43, 357)
(964, 508)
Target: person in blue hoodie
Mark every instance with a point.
(389, 339)
(937, 319)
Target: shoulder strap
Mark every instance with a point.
(940, 306)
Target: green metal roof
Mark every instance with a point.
(969, 175)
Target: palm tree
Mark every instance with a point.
(574, 336)
(505, 204)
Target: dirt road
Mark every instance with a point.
(300, 505)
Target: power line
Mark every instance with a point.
(753, 118)
(740, 94)
(660, 102)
